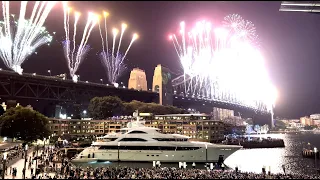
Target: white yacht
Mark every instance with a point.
(146, 144)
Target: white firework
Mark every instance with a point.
(113, 61)
(223, 64)
(19, 39)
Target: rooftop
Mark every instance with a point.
(182, 115)
(300, 6)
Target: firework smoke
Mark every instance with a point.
(223, 64)
(19, 39)
(75, 54)
(113, 59)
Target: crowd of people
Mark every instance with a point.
(164, 173)
(53, 165)
(13, 155)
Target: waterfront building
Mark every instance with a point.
(219, 113)
(295, 125)
(196, 126)
(316, 119)
(306, 121)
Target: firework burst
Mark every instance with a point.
(19, 39)
(233, 22)
(75, 54)
(112, 59)
(223, 64)
(241, 29)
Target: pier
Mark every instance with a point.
(71, 152)
(308, 153)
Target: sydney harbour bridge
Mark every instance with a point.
(45, 92)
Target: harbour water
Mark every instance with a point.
(252, 160)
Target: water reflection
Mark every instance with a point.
(252, 160)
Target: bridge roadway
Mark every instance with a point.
(28, 86)
(39, 91)
(206, 106)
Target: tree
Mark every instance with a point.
(108, 106)
(311, 127)
(280, 125)
(249, 121)
(104, 107)
(24, 123)
(130, 107)
(249, 129)
(150, 108)
(1, 111)
(257, 128)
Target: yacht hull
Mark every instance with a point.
(209, 154)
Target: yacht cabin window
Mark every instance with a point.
(132, 139)
(171, 139)
(137, 132)
(155, 148)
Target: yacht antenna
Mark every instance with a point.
(138, 118)
(136, 114)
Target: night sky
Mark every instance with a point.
(290, 43)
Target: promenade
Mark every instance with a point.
(19, 164)
(68, 171)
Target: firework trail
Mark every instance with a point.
(19, 39)
(113, 61)
(224, 64)
(75, 54)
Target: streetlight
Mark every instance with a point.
(25, 161)
(315, 156)
(4, 164)
(84, 113)
(101, 81)
(49, 71)
(37, 155)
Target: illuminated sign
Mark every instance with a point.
(145, 114)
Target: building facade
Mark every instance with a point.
(316, 119)
(306, 121)
(219, 113)
(196, 126)
(300, 6)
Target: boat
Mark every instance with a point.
(316, 131)
(138, 143)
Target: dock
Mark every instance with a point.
(308, 153)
